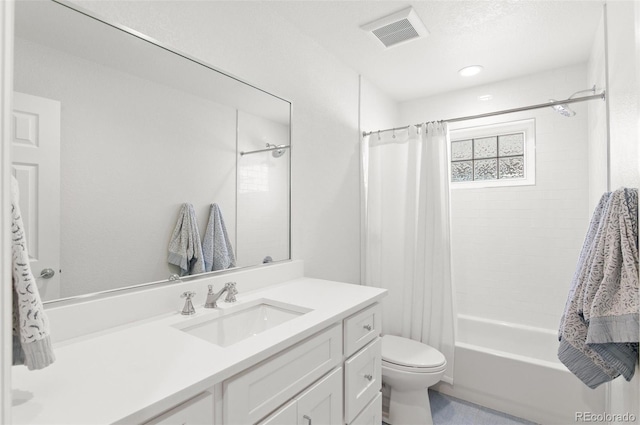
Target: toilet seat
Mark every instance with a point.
(413, 369)
(411, 356)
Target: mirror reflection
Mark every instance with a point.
(113, 134)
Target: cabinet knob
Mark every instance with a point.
(369, 377)
(367, 327)
(307, 418)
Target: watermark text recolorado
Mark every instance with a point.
(605, 417)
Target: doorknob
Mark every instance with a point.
(47, 273)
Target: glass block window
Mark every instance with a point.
(495, 155)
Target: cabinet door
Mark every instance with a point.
(322, 403)
(197, 411)
(372, 414)
(286, 415)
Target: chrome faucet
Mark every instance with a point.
(229, 288)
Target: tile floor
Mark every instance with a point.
(447, 410)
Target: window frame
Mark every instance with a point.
(526, 126)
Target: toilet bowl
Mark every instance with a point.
(409, 368)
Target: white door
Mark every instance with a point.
(35, 144)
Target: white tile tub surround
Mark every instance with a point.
(513, 368)
(520, 244)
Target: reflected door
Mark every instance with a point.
(35, 149)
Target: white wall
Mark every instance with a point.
(514, 249)
(6, 87)
(377, 110)
(257, 46)
(132, 152)
(623, 44)
(598, 128)
(624, 93)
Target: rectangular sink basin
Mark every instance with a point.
(237, 325)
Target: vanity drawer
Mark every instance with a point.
(362, 379)
(196, 411)
(252, 394)
(361, 328)
(372, 414)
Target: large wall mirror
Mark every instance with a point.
(113, 133)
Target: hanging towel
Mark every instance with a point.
(185, 248)
(31, 340)
(599, 328)
(611, 295)
(218, 252)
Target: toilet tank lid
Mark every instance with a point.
(407, 352)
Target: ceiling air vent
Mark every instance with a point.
(397, 28)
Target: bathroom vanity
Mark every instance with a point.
(303, 351)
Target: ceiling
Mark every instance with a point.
(509, 38)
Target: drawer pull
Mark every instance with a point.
(307, 418)
(369, 377)
(367, 327)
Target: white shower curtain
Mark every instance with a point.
(407, 233)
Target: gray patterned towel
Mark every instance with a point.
(31, 340)
(599, 328)
(218, 252)
(185, 248)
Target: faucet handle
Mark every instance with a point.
(188, 295)
(231, 292)
(188, 308)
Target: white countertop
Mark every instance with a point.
(133, 372)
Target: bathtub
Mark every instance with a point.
(514, 369)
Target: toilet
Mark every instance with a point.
(410, 367)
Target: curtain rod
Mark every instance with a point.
(505, 111)
(275, 148)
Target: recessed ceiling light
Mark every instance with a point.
(468, 71)
(485, 97)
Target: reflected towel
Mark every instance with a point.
(218, 252)
(31, 341)
(185, 248)
(599, 328)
